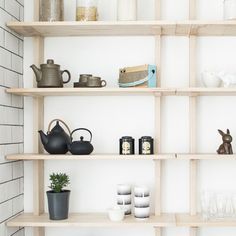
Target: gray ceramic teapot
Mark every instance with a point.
(49, 75)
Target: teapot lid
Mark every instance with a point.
(50, 63)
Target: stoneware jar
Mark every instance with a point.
(86, 10)
(51, 10)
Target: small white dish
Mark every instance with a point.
(116, 214)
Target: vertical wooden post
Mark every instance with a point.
(158, 119)
(38, 123)
(192, 119)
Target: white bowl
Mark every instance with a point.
(116, 214)
(124, 199)
(123, 189)
(211, 79)
(141, 201)
(141, 191)
(142, 213)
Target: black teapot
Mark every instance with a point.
(56, 141)
(80, 147)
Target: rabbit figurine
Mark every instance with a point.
(225, 147)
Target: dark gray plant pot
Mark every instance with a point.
(58, 204)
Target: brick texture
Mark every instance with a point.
(11, 117)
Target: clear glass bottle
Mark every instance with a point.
(86, 10)
(51, 10)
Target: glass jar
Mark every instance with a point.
(127, 10)
(229, 9)
(51, 10)
(86, 10)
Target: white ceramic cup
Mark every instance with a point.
(141, 201)
(116, 214)
(142, 213)
(124, 199)
(127, 208)
(210, 79)
(123, 189)
(141, 191)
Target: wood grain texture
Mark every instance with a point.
(116, 28)
(90, 220)
(41, 92)
(89, 157)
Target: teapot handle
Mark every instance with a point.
(50, 124)
(69, 76)
(82, 129)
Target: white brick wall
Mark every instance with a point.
(11, 117)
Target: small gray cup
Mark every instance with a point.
(96, 82)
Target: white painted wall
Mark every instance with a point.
(93, 183)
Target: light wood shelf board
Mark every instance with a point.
(41, 92)
(205, 157)
(200, 91)
(113, 28)
(90, 220)
(186, 220)
(89, 157)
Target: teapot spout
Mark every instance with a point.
(44, 137)
(37, 72)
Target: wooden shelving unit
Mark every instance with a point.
(91, 220)
(157, 28)
(32, 157)
(195, 91)
(104, 28)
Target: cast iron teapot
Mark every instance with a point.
(56, 141)
(50, 75)
(80, 147)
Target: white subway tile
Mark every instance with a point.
(20, 81)
(5, 58)
(1, 37)
(11, 79)
(5, 134)
(4, 17)
(2, 3)
(20, 233)
(11, 231)
(20, 47)
(5, 210)
(21, 13)
(5, 98)
(17, 63)
(17, 134)
(18, 169)
(21, 185)
(21, 117)
(13, 8)
(18, 204)
(6, 172)
(17, 101)
(2, 76)
(21, 2)
(8, 150)
(21, 148)
(11, 42)
(3, 115)
(9, 190)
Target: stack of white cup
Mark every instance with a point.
(141, 202)
(124, 199)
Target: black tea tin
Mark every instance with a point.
(127, 145)
(146, 145)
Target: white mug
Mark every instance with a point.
(123, 189)
(142, 213)
(141, 201)
(123, 199)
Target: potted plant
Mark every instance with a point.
(58, 198)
